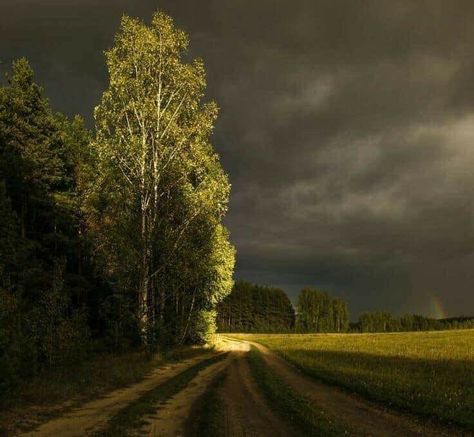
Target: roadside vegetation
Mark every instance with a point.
(426, 373)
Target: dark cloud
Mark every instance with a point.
(347, 129)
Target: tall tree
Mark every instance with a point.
(160, 193)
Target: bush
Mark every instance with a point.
(204, 327)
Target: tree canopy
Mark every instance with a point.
(46, 279)
(156, 206)
(111, 239)
(255, 308)
(317, 311)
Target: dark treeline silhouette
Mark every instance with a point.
(255, 308)
(382, 321)
(52, 302)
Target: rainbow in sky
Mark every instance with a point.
(435, 308)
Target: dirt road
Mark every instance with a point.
(244, 410)
(92, 415)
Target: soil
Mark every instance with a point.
(246, 411)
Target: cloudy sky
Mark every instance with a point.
(346, 127)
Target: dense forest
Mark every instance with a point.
(255, 308)
(111, 238)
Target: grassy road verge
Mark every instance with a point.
(295, 409)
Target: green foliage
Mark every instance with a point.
(317, 311)
(114, 239)
(10, 344)
(254, 308)
(120, 324)
(203, 327)
(156, 205)
(46, 274)
(10, 245)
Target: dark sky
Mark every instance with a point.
(347, 129)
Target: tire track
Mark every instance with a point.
(93, 415)
(247, 412)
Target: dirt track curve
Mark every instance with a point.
(245, 411)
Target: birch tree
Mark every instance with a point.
(160, 191)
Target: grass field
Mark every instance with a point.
(427, 373)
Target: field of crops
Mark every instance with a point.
(426, 373)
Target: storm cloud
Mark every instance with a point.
(346, 127)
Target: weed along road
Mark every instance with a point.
(241, 388)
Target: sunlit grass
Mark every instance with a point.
(427, 373)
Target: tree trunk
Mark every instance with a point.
(143, 285)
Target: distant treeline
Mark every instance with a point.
(380, 321)
(254, 308)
